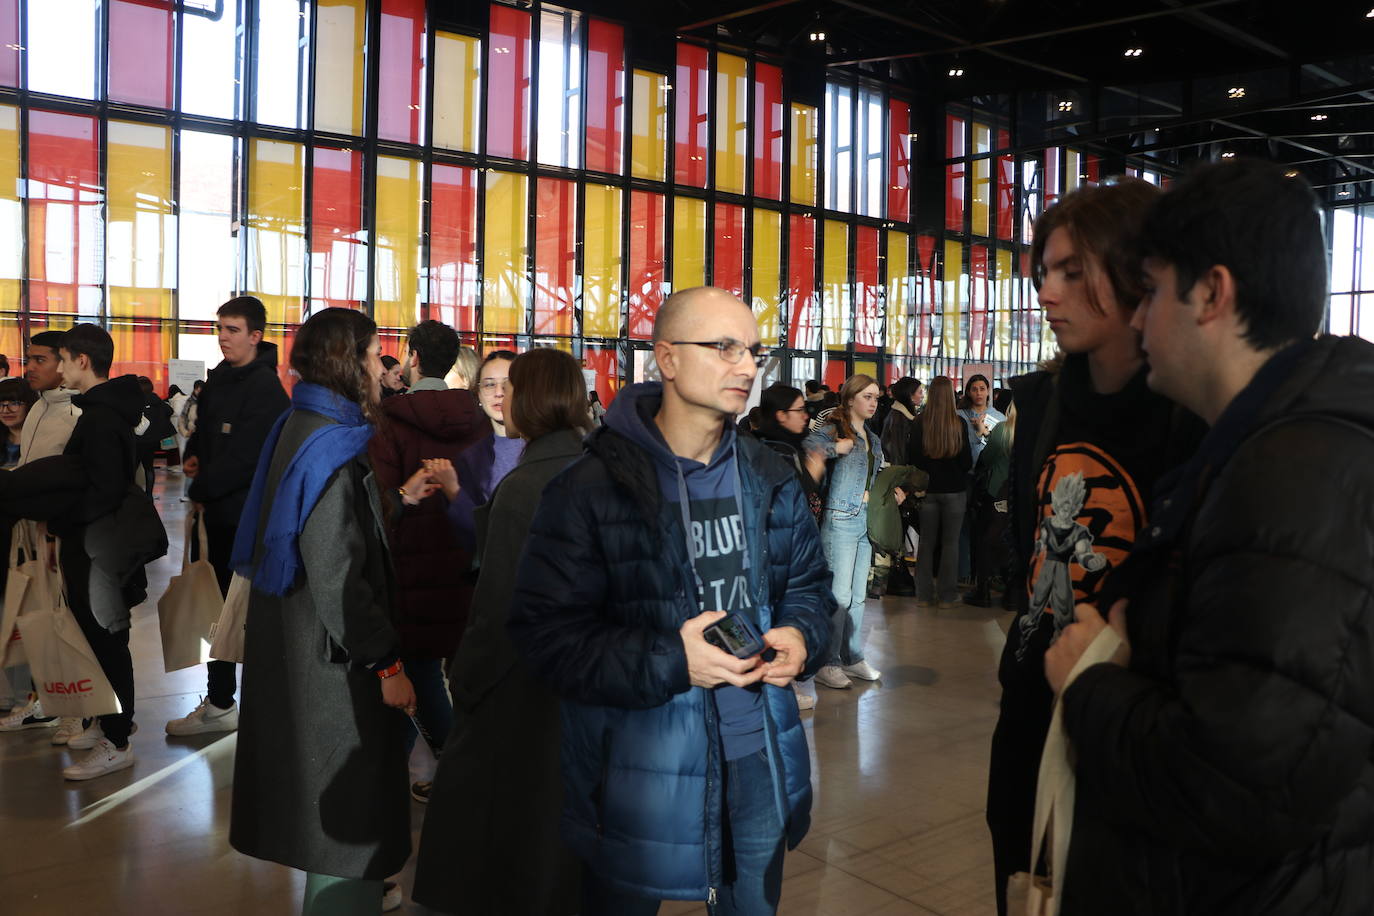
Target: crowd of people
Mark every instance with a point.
(601, 619)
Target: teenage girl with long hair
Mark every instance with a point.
(940, 446)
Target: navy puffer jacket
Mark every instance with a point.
(604, 585)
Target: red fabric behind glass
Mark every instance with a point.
(555, 274)
(63, 151)
(139, 351)
(899, 161)
(338, 255)
(955, 146)
(9, 42)
(401, 77)
(607, 367)
(729, 249)
(836, 371)
(926, 303)
(978, 302)
(453, 278)
(1092, 167)
(691, 142)
(140, 52)
(605, 96)
(1006, 197)
(646, 262)
(769, 113)
(868, 286)
(508, 83)
(803, 330)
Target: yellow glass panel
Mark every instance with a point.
(601, 260)
(142, 347)
(866, 367)
(732, 122)
(649, 126)
(340, 33)
(689, 242)
(1004, 294)
(10, 341)
(505, 283)
(835, 285)
(982, 139)
(901, 293)
(140, 229)
(982, 173)
(803, 154)
(766, 272)
(397, 280)
(956, 299)
(1073, 164)
(11, 215)
(276, 228)
(457, 90)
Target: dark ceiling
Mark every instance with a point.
(1306, 69)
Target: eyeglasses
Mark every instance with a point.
(732, 351)
(491, 384)
(794, 410)
(11, 405)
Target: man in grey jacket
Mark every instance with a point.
(51, 420)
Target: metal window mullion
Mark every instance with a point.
(372, 75)
(708, 251)
(24, 307)
(427, 167)
(532, 172)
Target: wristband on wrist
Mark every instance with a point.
(391, 670)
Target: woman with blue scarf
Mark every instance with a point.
(320, 779)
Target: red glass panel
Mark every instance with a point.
(899, 161)
(66, 265)
(1006, 197)
(868, 284)
(9, 42)
(646, 262)
(729, 249)
(604, 362)
(605, 96)
(956, 145)
(803, 325)
(691, 144)
(401, 77)
(338, 244)
(978, 302)
(836, 371)
(140, 52)
(555, 273)
(453, 276)
(1092, 167)
(508, 83)
(927, 292)
(142, 347)
(769, 115)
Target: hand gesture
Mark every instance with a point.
(899, 494)
(399, 693)
(443, 473)
(709, 666)
(420, 485)
(844, 446)
(790, 655)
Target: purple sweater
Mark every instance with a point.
(480, 468)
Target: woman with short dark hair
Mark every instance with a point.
(16, 397)
(320, 778)
(490, 842)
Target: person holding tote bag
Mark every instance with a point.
(320, 779)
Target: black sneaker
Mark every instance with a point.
(420, 791)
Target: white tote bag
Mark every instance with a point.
(1029, 894)
(69, 679)
(191, 604)
(29, 586)
(227, 634)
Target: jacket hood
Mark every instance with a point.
(56, 397)
(446, 416)
(632, 415)
(1332, 377)
(122, 394)
(266, 359)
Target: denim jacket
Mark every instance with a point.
(850, 476)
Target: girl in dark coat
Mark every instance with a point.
(490, 843)
(320, 772)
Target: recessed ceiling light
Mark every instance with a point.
(1319, 117)
(1133, 52)
(1369, 15)
(818, 36)
(956, 71)
(1228, 155)
(1236, 92)
(1291, 173)
(1066, 106)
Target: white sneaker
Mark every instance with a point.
(805, 701)
(92, 735)
(831, 676)
(391, 896)
(29, 715)
(863, 671)
(103, 758)
(68, 729)
(206, 717)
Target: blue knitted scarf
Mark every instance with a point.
(320, 455)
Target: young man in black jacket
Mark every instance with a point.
(241, 401)
(1225, 764)
(1091, 441)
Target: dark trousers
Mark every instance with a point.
(111, 649)
(753, 852)
(989, 545)
(432, 705)
(221, 677)
(145, 459)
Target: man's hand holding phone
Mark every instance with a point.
(709, 666)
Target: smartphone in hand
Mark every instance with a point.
(735, 634)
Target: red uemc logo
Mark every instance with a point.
(81, 686)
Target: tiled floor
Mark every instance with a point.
(899, 768)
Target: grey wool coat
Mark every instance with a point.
(490, 844)
(320, 779)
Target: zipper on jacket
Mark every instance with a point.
(711, 897)
(605, 775)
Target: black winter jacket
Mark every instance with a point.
(235, 413)
(604, 585)
(1230, 768)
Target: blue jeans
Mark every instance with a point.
(433, 707)
(753, 852)
(844, 539)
